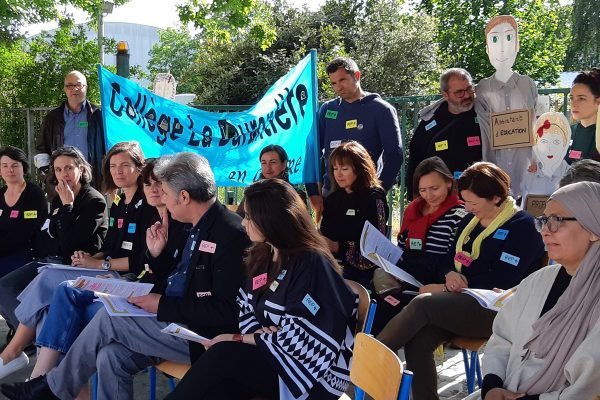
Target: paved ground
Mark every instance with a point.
(451, 373)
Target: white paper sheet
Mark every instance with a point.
(65, 266)
(398, 272)
(373, 242)
(184, 333)
(115, 287)
(119, 307)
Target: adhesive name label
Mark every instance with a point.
(207, 247)
(111, 221)
(415, 244)
(509, 258)
(352, 123)
(473, 141)
(120, 222)
(117, 199)
(282, 274)
(32, 214)
(430, 125)
(274, 286)
(126, 245)
(575, 154)
(441, 146)
(351, 212)
(331, 114)
(83, 124)
(311, 304)
(259, 281)
(457, 174)
(500, 234)
(14, 213)
(463, 259)
(334, 143)
(392, 300)
(131, 228)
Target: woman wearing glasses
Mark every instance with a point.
(496, 246)
(545, 340)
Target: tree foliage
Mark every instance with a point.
(584, 52)
(16, 13)
(544, 31)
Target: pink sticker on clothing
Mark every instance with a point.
(463, 259)
(120, 223)
(392, 300)
(259, 281)
(14, 213)
(575, 154)
(473, 141)
(207, 247)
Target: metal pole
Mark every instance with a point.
(101, 35)
(30, 136)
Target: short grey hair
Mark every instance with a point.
(586, 170)
(190, 172)
(454, 72)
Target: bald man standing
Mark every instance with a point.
(77, 123)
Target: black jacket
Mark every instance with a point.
(81, 226)
(52, 136)
(208, 306)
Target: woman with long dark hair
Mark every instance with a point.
(297, 315)
(357, 196)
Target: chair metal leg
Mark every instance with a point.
(171, 384)
(370, 316)
(94, 387)
(478, 371)
(152, 378)
(407, 378)
(470, 378)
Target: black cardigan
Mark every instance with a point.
(81, 226)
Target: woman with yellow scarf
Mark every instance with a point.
(496, 246)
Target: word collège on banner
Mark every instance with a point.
(231, 141)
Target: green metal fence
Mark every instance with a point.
(20, 127)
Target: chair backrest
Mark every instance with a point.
(375, 368)
(363, 303)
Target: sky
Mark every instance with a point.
(159, 13)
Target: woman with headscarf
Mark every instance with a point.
(545, 340)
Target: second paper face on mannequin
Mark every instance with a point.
(502, 48)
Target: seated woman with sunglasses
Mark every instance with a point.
(496, 246)
(545, 340)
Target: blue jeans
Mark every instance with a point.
(70, 311)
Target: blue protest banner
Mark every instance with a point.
(231, 141)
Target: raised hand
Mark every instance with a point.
(157, 235)
(65, 192)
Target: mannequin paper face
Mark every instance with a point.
(502, 47)
(551, 147)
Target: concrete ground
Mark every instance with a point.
(451, 375)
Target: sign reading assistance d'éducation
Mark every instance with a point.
(231, 141)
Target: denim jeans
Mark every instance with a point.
(70, 311)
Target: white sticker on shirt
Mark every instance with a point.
(351, 212)
(126, 245)
(46, 224)
(461, 212)
(334, 143)
(1, 211)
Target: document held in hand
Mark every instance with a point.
(491, 299)
(398, 272)
(373, 242)
(179, 331)
(113, 294)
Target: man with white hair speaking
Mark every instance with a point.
(76, 122)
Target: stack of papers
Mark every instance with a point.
(179, 331)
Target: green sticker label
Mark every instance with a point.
(477, 120)
(83, 124)
(416, 244)
(111, 221)
(331, 114)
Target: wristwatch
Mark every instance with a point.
(106, 264)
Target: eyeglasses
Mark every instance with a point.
(461, 93)
(71, 86)
(552, 222)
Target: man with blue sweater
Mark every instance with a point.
(361, 116)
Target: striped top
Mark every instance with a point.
(441, 233)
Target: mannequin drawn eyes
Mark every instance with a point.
(494, 39)
(509, 37)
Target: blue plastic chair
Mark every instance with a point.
(471, 361)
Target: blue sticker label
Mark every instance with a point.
(430, 125)
(282, 274)
(457, 174)
(500, 234)
(312, 305)
(131, 228)
(509, 258)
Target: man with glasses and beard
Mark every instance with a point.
(449, 127)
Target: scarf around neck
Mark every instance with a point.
(416, 225)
